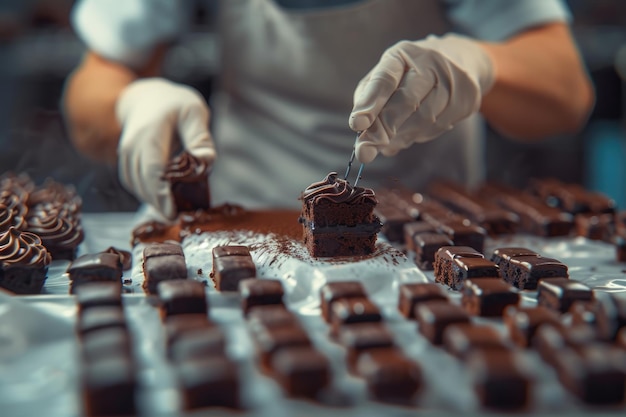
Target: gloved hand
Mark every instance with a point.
(417, 91)
(155, 114)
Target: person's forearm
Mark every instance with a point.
(541, 87)
(89, 98)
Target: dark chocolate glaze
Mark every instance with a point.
(337, 191)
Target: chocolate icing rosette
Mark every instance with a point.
(60, 235)
(56, 196)
(12, 211)
(189, 179)
(24, 262)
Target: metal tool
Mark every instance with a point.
(351, 160)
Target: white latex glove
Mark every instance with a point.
(417, 91)
(154, 114)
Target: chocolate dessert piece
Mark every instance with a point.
(338, 219)
(462, 232)
(494, 219)
(426, 245)
(551, 340)
(24, 262)
(303, 372)
(488, 297)
(97, 318)
(444, 260)
(390, 376)
(536, 217)
(98, 267)
(524, 272)
(333, 291)
(412, 229)
(257, 292)
(609, 313)
(461, 340)
(60, 234)
(182, 296)
(189, 180)
(125, 257)
(109, 387)
(353, 310)
(271, 316)
(202, 342)
(593, 373)
(595, 226)
(522, 322)
(178, 325)
(499, 379)
(559, 293)
(209, 382)
(271, 340)
(98, 294)
(393, 220)
(433, 317)
(106, 342)
(572, 198)
(361, 337)
(502, 256)
(162, 262)
(464, 268)
(231, 264)
(415, 293)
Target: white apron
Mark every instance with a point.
(285, 94)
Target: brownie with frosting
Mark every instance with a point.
(24, 262)
(189, 179)
(338, 219)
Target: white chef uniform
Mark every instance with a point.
(287, 79)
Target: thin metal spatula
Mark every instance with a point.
(351, 160)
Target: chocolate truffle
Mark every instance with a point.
(301, 371)
(559, 293)
(209, 382)
(231, 264)
(433, 317)
(95, 267)
(487, 297)
(162, 262)
(333, 291)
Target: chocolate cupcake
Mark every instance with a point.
(189, 179)
(24, 262)
(60, 235)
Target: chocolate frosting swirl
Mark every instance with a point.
(63, 198)
(186, 168)
(15, 210)
(22, 249)
(337, 191)
(54, 231)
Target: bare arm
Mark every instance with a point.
(541, 86)
(89, 98)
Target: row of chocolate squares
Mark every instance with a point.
(193, 344)
(166, 261)
(287, 354)
(552, 209)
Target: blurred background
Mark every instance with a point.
(38, 50)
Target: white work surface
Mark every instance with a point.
(39, 366)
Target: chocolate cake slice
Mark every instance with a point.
(338, 219)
